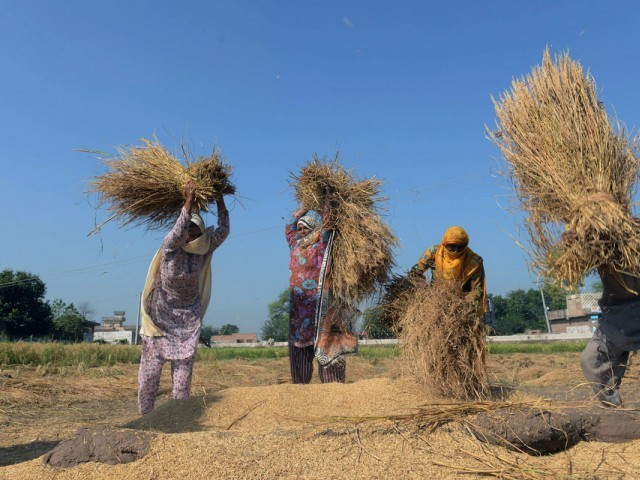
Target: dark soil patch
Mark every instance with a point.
(541, 432)
(103, 444)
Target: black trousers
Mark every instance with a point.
(301, 363)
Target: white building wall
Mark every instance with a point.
(114, 337)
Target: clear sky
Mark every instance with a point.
(401, 89)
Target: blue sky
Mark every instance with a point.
(401, 89)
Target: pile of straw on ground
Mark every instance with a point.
(571, 169)
(145, 184)
(442, 338)
(362, 250)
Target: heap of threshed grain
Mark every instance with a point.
(571, 169)
(362, 251)
(145, 184)
(442, 338)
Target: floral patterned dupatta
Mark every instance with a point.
(334, 319)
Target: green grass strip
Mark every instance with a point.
(64, 355)
(536, 347)
(96, 355)
(243, 353)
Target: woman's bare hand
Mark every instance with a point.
(189, 195)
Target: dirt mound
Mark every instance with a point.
(103, 445)
(541, 432)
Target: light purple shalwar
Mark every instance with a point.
(174, 307)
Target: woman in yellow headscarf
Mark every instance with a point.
(454, 260)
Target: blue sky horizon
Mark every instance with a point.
(403, 91)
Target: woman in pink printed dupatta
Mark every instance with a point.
(307, 244)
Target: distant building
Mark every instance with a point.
(530, 331)
(580, 316)
(361, 335)
(88, 328)
(236, 338)
(113, 329)
(490, 316)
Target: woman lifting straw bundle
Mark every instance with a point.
(309, 267)
(334, 264)
(440, 324)
(178, 285)
(175, 298)
(575, 177)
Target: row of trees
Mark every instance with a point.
(277, 325)
(521, 310)
(515, 312)
(24, 312)
(208, 331)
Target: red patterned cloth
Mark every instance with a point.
(304, 269)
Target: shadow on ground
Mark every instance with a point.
(23, 453)
(175, 416)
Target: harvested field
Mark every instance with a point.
(245, 420)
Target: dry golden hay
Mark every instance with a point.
(442, 340)
(570, 169)
(145, 184)
(395, 295)
(363, 246)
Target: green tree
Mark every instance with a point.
(374, 326)
(206, 332)
(228, 329)
(555, 296)
(518, 311)
(23, 310)
(85, 310)
(277, 326)
(67, 321)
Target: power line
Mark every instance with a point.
(423, 188)
(132, 260)
(78, 271)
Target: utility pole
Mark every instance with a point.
(544, 306)
(135, 340)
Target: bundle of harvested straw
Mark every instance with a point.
(145, 184)
(442, 338)
(362, 251)
(570, 168)
(395, 296)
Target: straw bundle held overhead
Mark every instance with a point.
(442, 339)
(362, 251)
(145, 184)
(570, 168)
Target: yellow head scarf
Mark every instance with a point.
(454, 265)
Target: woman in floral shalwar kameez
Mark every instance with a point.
(175, 298)
(307, 244)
